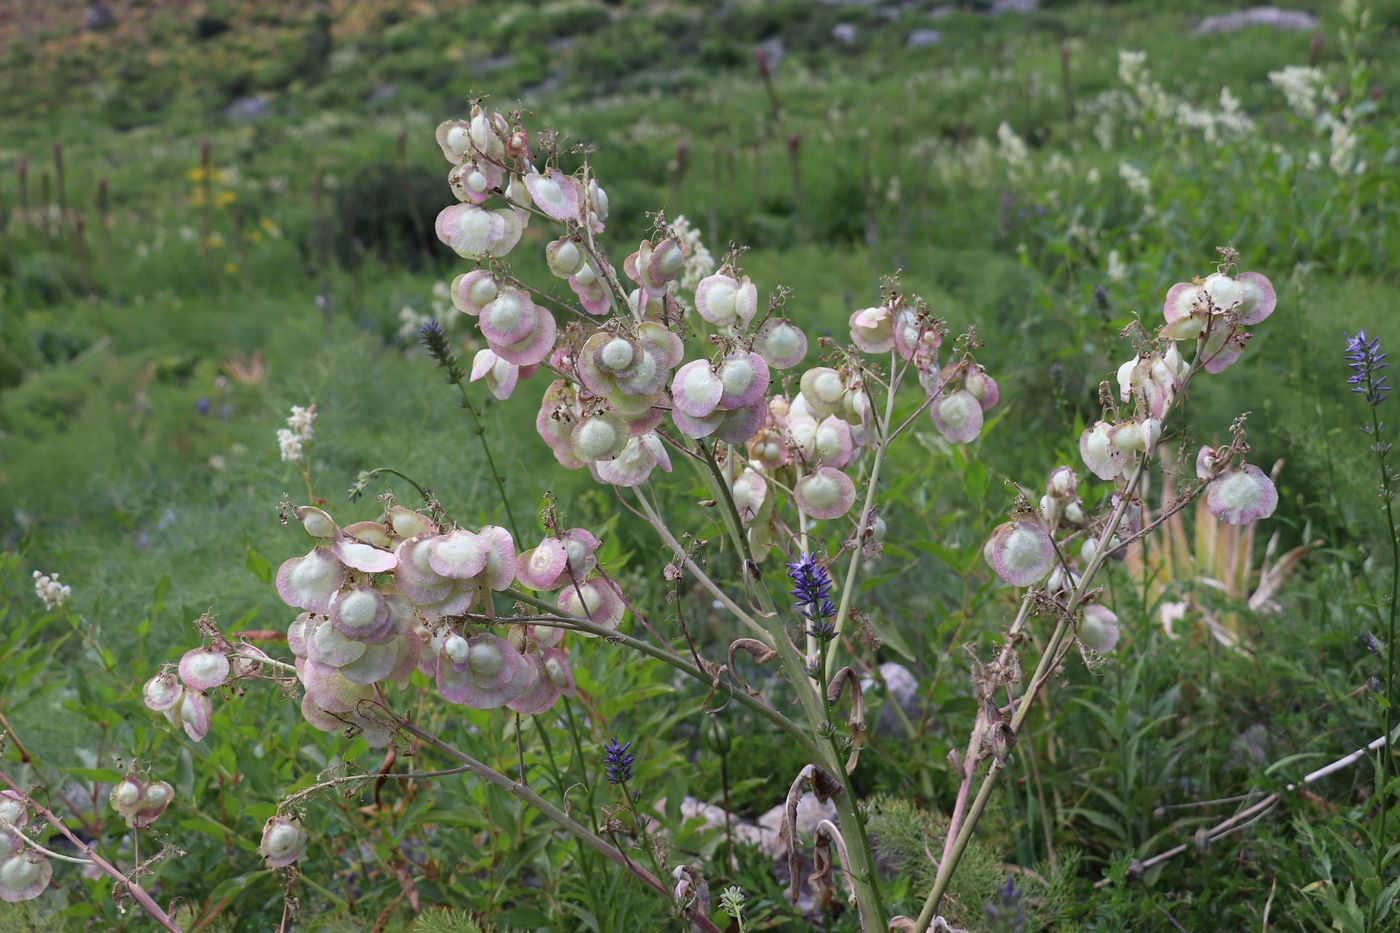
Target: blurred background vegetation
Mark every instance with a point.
(212, 211)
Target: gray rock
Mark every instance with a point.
(900, 687)
(249, 109)
(920, 38)
(99, 18)
(383, 94)
(845, 33)
(1272, 17)
(494, 63)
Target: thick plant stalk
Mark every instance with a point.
(577, 829)
(861, 867)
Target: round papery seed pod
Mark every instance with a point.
(1238, 497)
(203, 668)
(24, 876)
(563, 257)
(409, 524)
(600, 437)
(162, 692)
(1098, 629)
(825, 493)
(283, 841)
(317, 522)
(126, 797)
(1021, 551)
(617, 354)
(13, 809)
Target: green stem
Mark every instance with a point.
(490, 460)
(1384, 755)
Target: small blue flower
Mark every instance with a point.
(1367, 362)
(811, 587)
(616, 762)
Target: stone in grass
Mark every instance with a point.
(1272, 17)
(845, 33)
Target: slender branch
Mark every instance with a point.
(1249, 815)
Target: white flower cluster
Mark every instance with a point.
(1138, 183)
(698, 261)
(1147, 98)
(54, 594)
(1309, 97)
(299, 430)
(1012, 148)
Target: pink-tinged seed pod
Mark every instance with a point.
(1099, 629)
(308, 582)
(192, 713)
(161, 692)
(1102, 458)
(664, 263)
(317, 522)
(155, 797)
(470, 231)
(24, 876)
(125, 797)
(14, 810)
(1222, 350)
(372, 533)
(457, 555)
(554, 193)
(825, 493)
(535, 347)
(374, 665)
(491, 675)
(590, 291)
(750, 491)
(1238, 497)
(296, 634)
(203, 668)
(249, 665)
(509, 319)
(1021, 551)
(1258, 299)
(983, 387)
(474, 291)
(408, 523)
(696, 428)
(553, 678)
(363, 557)
(917, 337)
(361, 613)
(469, 183)
(564, 257)
(1063, 482)
(717, 299)
(781, 343)
(872, 329)
(415, 577)
(327, 646)
(501, 560)
(744, 379)
(957, 416)
(542, 567)
(599, 437)
(696, 389)
(1207, 464)
(596, 600)
(739, 425)
(501, 377)
(283, 841)
(454, 136)
(822, 390)
(631, 467)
